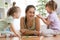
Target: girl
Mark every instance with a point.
(52, 20)
(13, 13)
(30, 24)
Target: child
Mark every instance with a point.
(13, 13)
(52, 20)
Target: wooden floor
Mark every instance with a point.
(14, 38)
(31, 38)
(23, 38)
(50, 38)
(34, 38)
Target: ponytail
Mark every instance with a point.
(12, 10)
(14, 3)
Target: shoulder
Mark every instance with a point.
(37, 19)
(9, 19)
(22, 18)
(54, 14)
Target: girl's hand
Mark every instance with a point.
(19, 35)
(39, 16)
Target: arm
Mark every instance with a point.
(37, 26)
(22, 30)
(22, 23)
(12, 27)
(25, 31)
(10, 20)
(29, 31)
(46, 21)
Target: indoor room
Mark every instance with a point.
(29, 20)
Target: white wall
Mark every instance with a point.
(58, 3)
(23, 3)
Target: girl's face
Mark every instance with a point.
(30, 13)
(48, 9)
(17, 14)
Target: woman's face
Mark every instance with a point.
(30, 13)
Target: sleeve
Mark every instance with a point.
(9, 20)
(52, 18)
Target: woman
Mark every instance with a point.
(30, 24)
